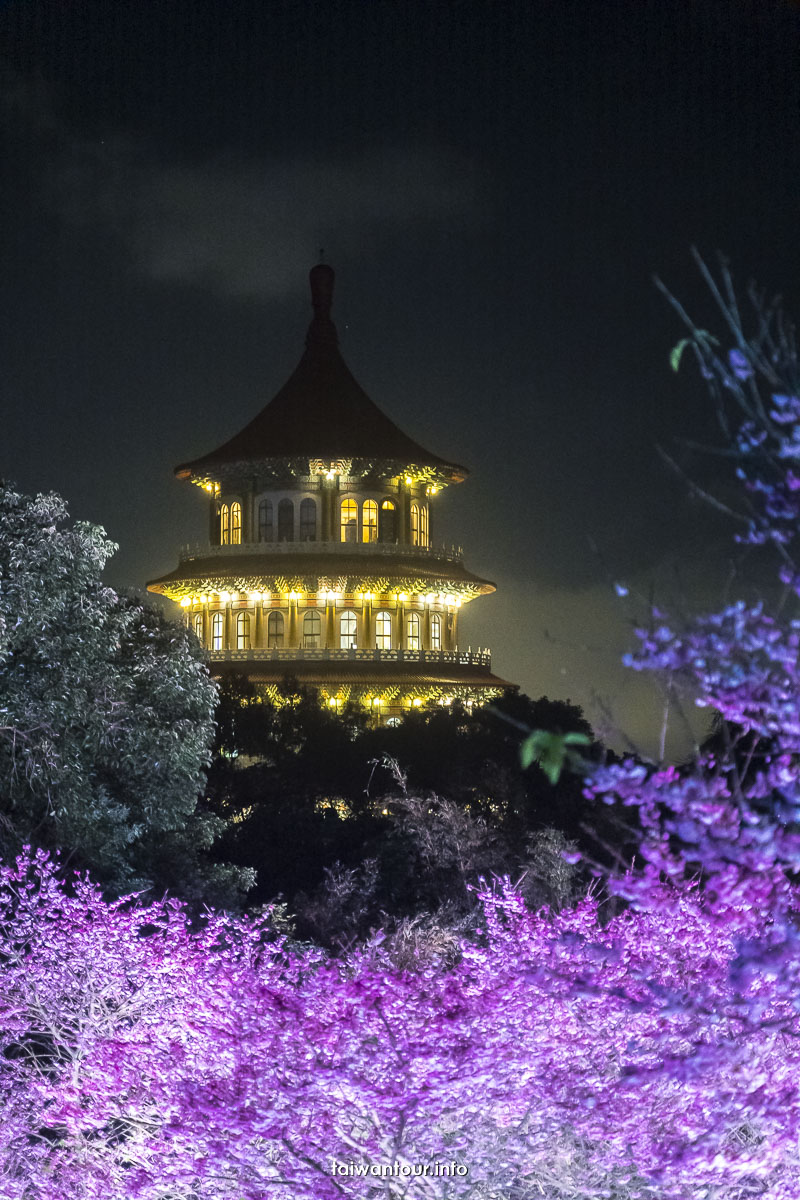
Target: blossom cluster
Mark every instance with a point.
(145, 1058)
(730, 820)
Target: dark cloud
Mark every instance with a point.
(243, 229)
(237, 227)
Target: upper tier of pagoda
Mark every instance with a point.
(321, 416)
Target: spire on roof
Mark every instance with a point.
(322, 329)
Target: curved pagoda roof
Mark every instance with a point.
(321, 413)
(318, 572)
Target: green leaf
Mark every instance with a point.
(550, 752)
(702, 337)
(677, 353)
(577, 739)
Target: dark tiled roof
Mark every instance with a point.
(321, 411)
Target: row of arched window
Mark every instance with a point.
(276, 522)
(311, 630)
(379, 523)
(370, 529)
(269, 529)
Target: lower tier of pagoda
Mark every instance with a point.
(389, 683)
(379, 629)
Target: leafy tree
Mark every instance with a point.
(324, 793)
(106, 713)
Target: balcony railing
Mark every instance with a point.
(347, 549)
(467, 658)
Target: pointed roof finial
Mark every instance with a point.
(321, 278)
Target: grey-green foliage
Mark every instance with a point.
(106, 713)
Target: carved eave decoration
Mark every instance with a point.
(429, 693)
(267, 473)
(319, 584)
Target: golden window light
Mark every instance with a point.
(349, 521)
(236, 523)
(369, 521)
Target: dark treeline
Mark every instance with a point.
(352, 825)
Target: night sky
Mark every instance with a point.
(495, 185)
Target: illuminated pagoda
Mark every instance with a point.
(320, 564)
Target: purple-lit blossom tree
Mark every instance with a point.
(732, 818)
(144, 1059)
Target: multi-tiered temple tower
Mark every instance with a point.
(321, 564)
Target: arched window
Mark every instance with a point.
(436, 631)
(308, 521)
(312, 630)
(217, 624)
(348, 630)
(369, 521)
(412, 631)
(236, 523)
(383, 630)
(243, 631)
(224, 525)
(197, 625)
(266, 530)
(349, 521)
(275, 631)
(423, 525)
(415, 523)
(285, 521)
(388, 526)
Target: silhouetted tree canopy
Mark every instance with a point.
(317, 802)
